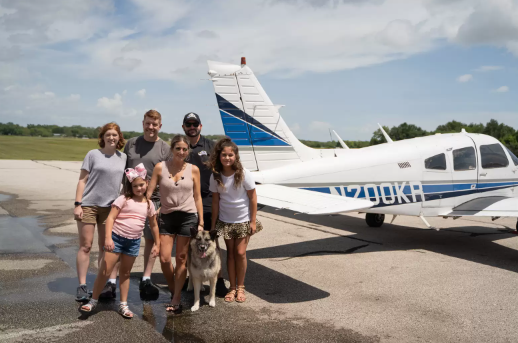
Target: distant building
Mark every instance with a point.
(57, 135)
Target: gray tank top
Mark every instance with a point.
(177, 196)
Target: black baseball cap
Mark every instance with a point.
(191, 116)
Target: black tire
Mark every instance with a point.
(374, 219)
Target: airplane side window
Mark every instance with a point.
(493, 156)
(464, 159)
(437, 162)
(513, 157)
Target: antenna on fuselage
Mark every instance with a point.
(387, 137)
(342, 143)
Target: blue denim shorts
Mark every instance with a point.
(125, 246)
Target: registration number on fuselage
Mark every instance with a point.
(385, 193)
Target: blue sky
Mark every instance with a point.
(345, 64)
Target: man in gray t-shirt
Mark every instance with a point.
(149, 150)
(140, 150)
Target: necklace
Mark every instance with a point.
(174, 172)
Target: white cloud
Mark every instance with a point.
(116, 106)
(9, 88)
(127, 63)
(141, 93)
(74, 97)
(503, 89)
(124, 92)
(44, 95)
(295, 128)
(465, 78)
(320, 126)
(488, 68)
(111, 104)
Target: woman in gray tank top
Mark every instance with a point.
(181, 210)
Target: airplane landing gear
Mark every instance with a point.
(374, 219)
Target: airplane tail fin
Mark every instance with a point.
(253, 122)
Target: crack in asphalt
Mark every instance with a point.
(323, 252)
(50, 165)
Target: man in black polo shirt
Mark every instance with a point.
(201, 148)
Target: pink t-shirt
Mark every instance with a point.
(132, 217)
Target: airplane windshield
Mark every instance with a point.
(513, 157)
(493, 156)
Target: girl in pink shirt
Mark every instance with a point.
(124, 228)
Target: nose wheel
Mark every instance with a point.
(374, 219)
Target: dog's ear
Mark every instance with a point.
(213, 234)
(194, 231)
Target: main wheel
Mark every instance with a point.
(374, 219)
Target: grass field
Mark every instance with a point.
(40, 148)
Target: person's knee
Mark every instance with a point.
(124, 273)
(85, 248)
(165, 259)
(181, 259)
(240, 254)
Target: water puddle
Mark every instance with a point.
(4, 197)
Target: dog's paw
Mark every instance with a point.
(212, 303)
(195, 308)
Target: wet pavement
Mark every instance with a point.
(309, 279)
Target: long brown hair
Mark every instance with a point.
(214, 162)
(110, 126)
(181, 138)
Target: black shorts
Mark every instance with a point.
(177, 223)
(207, 220)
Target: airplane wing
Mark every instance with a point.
(487, 207)
(309, 202)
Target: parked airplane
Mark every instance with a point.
(445, 175)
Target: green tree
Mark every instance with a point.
(377, 136)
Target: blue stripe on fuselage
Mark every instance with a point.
(431, 192)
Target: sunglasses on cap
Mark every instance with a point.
(189, 124)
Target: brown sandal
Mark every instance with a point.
(240, 297)
(231, 295)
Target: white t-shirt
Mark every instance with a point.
(234, 204)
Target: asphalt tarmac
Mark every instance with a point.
(309, 279)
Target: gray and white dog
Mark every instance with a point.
(204, 264)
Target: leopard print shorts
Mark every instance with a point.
(236, 230)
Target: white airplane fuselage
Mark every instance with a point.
(395, 176)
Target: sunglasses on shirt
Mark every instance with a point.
(192, 124)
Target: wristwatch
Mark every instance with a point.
(78, 203)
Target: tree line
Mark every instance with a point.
(76, 131)
(504, 133)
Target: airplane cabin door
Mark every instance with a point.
(436, 177)
(463, 156)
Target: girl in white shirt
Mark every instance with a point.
(234, 209)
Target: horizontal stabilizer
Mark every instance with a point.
(487, 207)
(309, 202)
